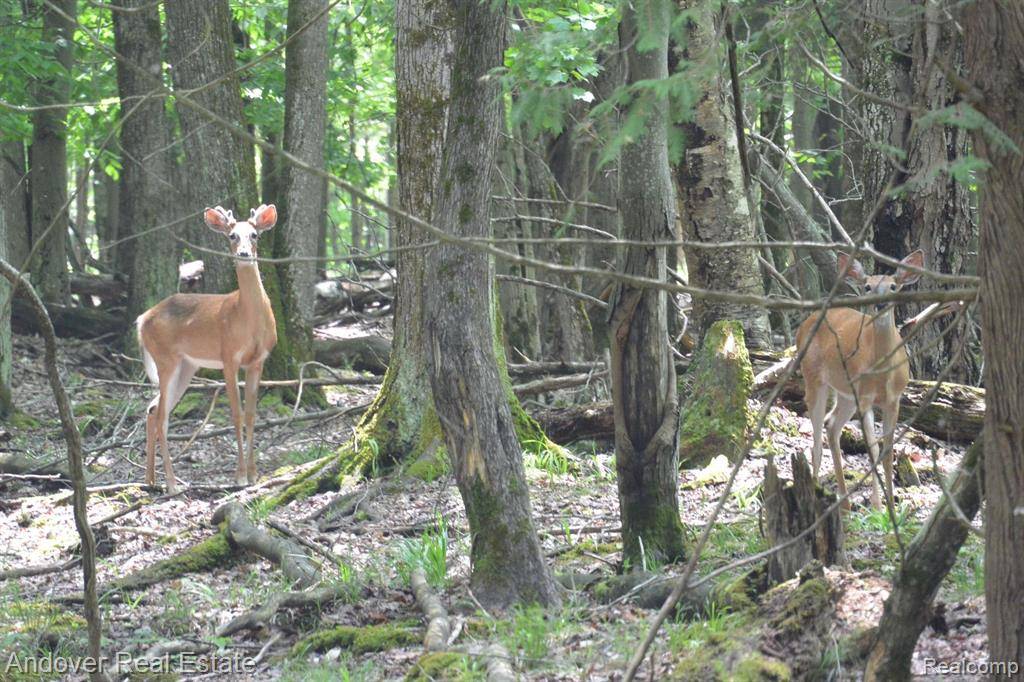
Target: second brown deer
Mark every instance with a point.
(860, 358)
(184, 332)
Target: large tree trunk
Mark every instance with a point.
(305, 124)
(147, 174)
(472, 406)
(898, 59)
(15, 201)
(221, 167)
(642, 370)
(928, 560)
(994, 55)
(48, 158)
(710, 181)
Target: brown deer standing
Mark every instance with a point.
(217, 331)
(863, 361)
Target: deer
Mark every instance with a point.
(185, 332)
(862, 360)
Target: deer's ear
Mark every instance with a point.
(264, 217)
(850, 269)
(904, 276)
(219, 219)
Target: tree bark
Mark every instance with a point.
(148, 193)
(898, 59)
(305, 124)
(6, 397)
(928, 560)
(15, 201)
(710, 182)
(219, 166)
(472, 406)
(643, 374)
(48, 159)
(994, 53)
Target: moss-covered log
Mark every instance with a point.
(714, 418)
(359, 640)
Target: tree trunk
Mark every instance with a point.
(15, 201)
(270, 168)
(6, 398)
(642, 371)
(220, 167)
(305, 124)
(928, 560)
(933, 212)
(472, 406)
(518, 301)
(710, 184)
(994, 53)
(48, 159)
(147, 172)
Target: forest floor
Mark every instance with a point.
(576, 512)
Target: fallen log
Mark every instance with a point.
(954, 414)
(334, 295)
(364, 353)
(439, 627)
(73, 321)
(103, 287)
(565, 425)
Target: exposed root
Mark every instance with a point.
(292, 558)
(439, 627)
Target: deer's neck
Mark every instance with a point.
(886, 335)
(251, 295)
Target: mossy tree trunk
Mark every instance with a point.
(928, 560)
(48, 156)
(710, 182)
(472, 406)
(148, 193)
(642, 369)
(994, 53)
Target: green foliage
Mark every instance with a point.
(429, 552)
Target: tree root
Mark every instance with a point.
(262, 616)
(241, 531)
(439, 627)
(439, 630)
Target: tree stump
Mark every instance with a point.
(791, 508)
(715, 417)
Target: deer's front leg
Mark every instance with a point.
(252, 388)
(231, 379)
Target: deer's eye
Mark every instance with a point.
(234, 237)
(255, 236)
(867, 288)
(892, 287)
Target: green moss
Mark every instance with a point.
(22, 420)
(592, 547)
(359, 640)
(213, 552)
(715, 417)
(806, 602)
(760, 668)
(430, 466)
(442, 665)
